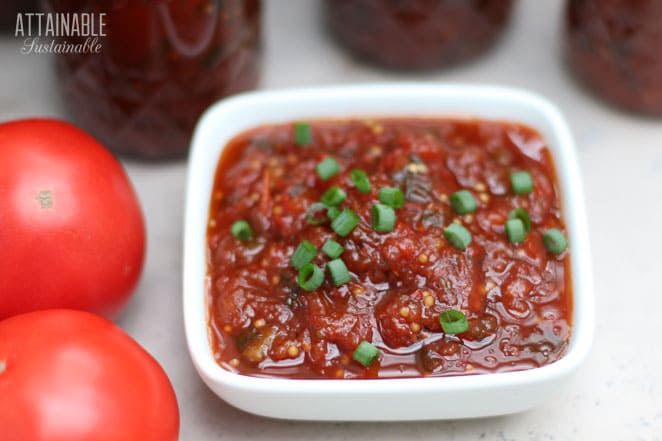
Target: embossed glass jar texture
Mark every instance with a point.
(141, 86)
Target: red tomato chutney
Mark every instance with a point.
(283, 307)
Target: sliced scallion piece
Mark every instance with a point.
(555, 241)
(303, 134)
(515, 230)
(315, 215)
(310, 277)
(382, 218)
(333, 212)
(453, 322)
(338, 272)
(303, 255)
(327, 168)
(463, 202)
(521, 182)
(365, 353)
(458, 236)
(523, 215)
(345, 222)
(360, 179)
(242, 230)
(332, 248)
(392, 197)
(333, 197)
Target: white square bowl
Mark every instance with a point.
(382, 399)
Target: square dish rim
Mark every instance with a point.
(233, 115)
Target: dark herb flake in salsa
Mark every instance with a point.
(387, 248)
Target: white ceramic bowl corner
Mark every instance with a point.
(386, 399)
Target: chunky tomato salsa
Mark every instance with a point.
(387, 248)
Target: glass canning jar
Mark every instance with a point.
(160, 64)
(614, 47)
(416, 34)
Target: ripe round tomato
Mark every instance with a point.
(72, 376)
(72, 233)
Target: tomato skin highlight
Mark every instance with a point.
(73, 376)
(72, 232)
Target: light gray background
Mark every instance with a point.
(618, 393)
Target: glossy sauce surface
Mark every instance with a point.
(517, 297)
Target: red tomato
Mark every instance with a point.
(72, 233)
(72, 376)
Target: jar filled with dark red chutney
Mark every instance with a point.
(416, 34)
(615, 48)
(159, 64)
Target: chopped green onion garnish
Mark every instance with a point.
(523, 215)
(392, 197)
(345, 222)
(327, 168)
(365, 353)
(338, 272)
(315, 214)
(515, 230)
(453, 322)
(383, 218)
(303, 134)
(333, 197)
(463, 202)
(241, 230)
(304, 254)
(332, 248)
(333, 212)
(310, 277)
(521, 182)
(555, 241)
(458, 236)
(361, 181)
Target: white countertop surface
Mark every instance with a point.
(617, 394)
